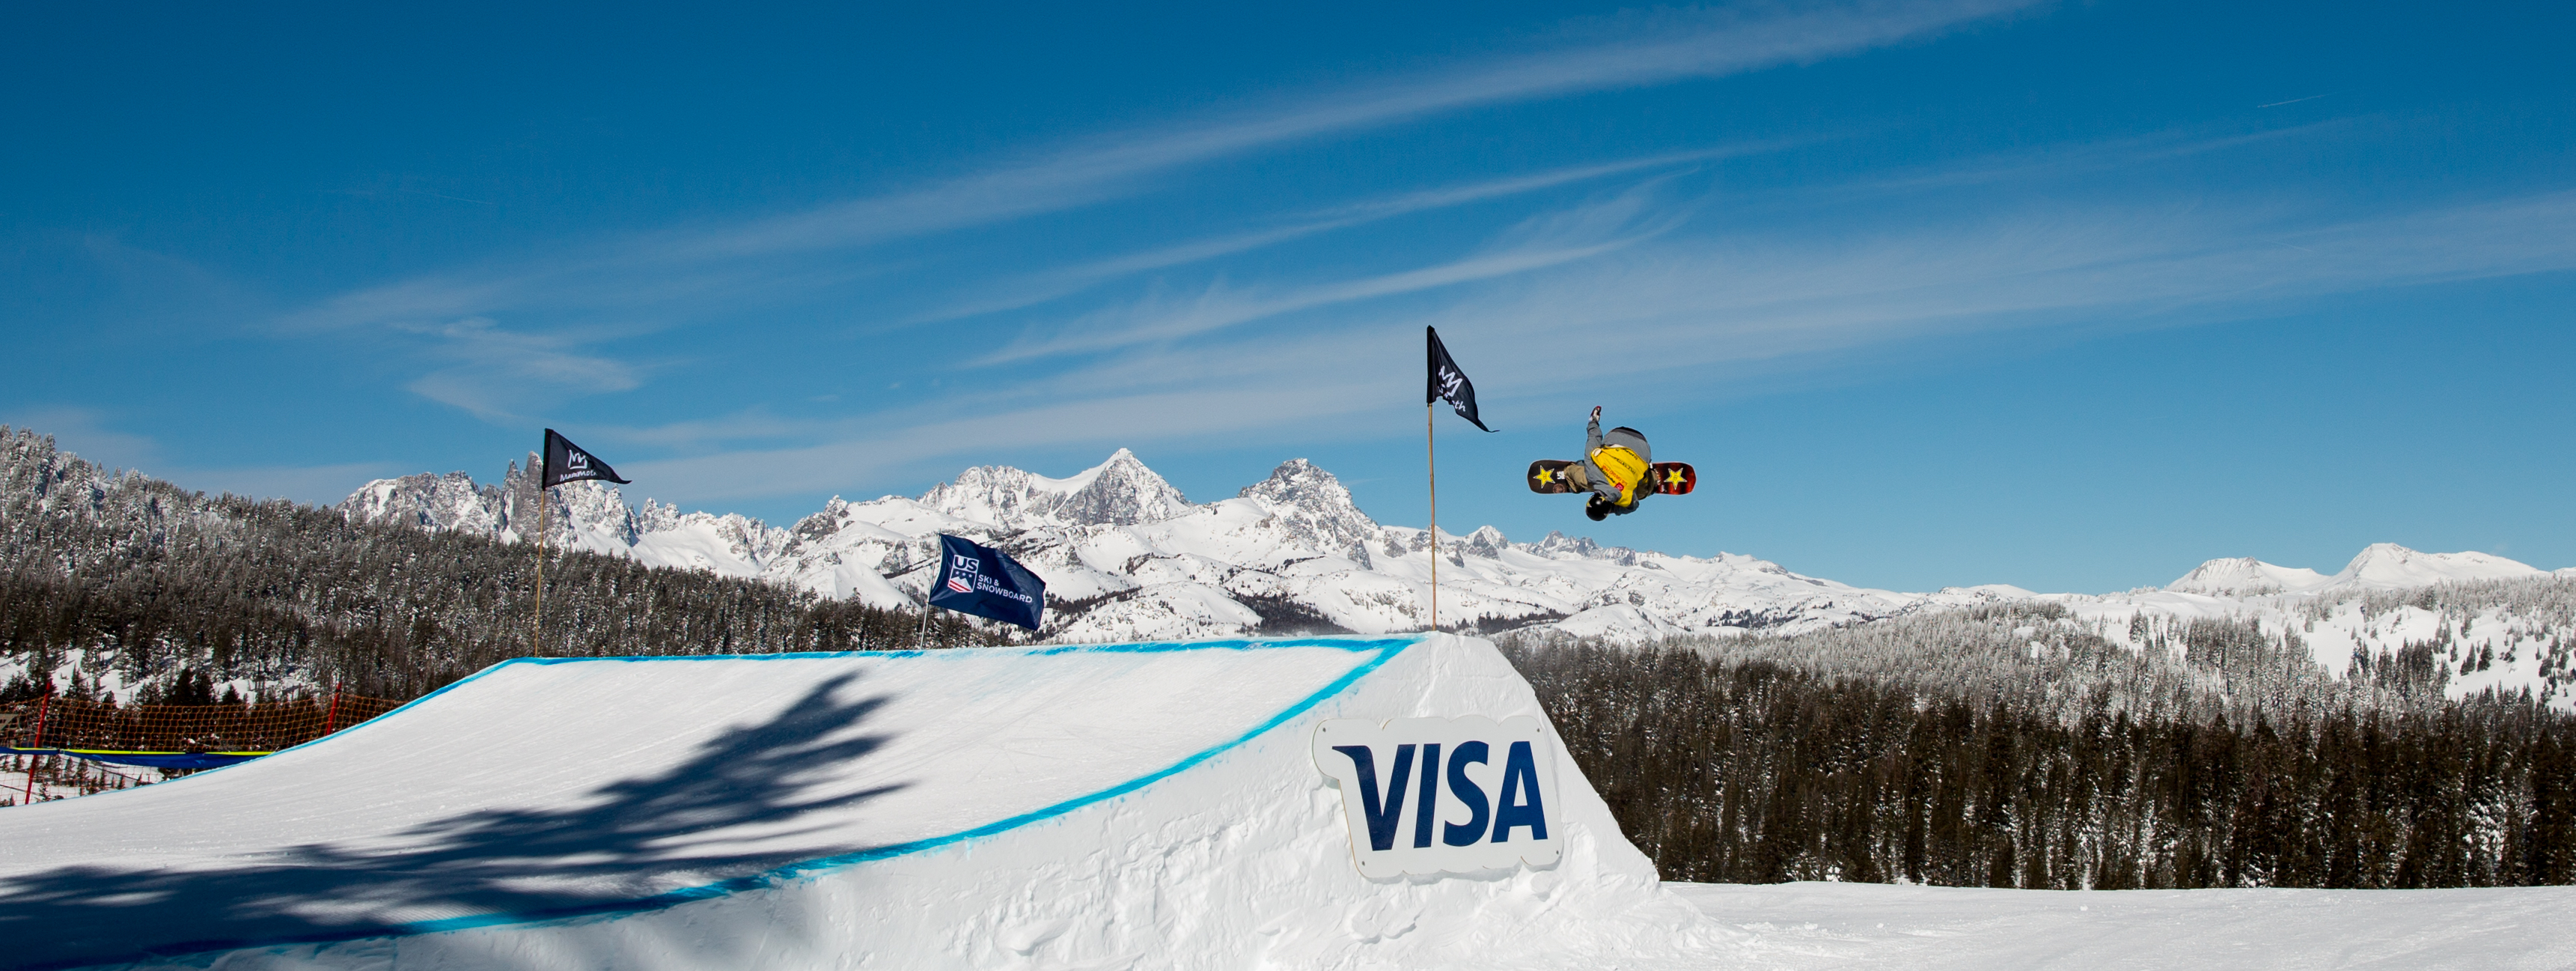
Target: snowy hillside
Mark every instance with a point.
(2487, 622)
(1126, 556)
(2382, 566)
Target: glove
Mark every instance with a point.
(1596, 412)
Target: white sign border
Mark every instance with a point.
(1403, 857)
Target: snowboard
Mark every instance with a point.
(1547, 477)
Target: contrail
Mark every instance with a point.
(2293, 101)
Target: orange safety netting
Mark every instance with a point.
(92, 726)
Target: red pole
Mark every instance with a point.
(333, 718)
(41, 705)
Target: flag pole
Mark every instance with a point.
(537, 626)
(1431, 458)
(922, 643)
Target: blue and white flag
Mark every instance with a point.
(979, 580)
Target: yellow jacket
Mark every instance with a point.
(1626, 471)
(1618, 463)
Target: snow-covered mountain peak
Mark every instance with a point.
(1558, 545)
(1315, 508)
(1301, 484)
(1125, 555)
(2245, 576)
(427, 500)
(2389, 566)
(2380, 566)
(824, 523)
(1122, 492)
(507, 510)
(1118, 492)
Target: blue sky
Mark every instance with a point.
(2070, 296)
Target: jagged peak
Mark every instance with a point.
(1121, 490)
(1300, 483)
(1557, 543)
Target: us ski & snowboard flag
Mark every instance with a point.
(980, 580)
(1449, 383)
(567, 462)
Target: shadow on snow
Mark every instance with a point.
(598, 857)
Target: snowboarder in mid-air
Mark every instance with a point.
(1618, 471)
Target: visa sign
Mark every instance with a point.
(1444, 795)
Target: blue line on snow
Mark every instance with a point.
(1385, 648)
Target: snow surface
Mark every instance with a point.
(1103, 806)
(1851, 925)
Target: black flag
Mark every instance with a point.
(980, 580)
(566, 462)
(1449, 382)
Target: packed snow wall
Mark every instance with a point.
(1139, 805)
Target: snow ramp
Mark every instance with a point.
(1094, 806)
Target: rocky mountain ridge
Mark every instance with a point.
(1126, 555)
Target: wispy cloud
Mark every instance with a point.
(495, 373)
(1672, 47)
(2062, 161)
(1047, 285)
(1692, 303)
(1551, 240)
(687, 273)
(1664, 303)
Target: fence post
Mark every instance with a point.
(333, 717)
(42, 704)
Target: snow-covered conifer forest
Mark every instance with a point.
(2403, 722)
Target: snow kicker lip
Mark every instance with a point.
(1382, 649)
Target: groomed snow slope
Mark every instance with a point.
(1847, 926)
(1095, 806)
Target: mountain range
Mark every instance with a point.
(1126, 556)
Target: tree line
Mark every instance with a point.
(135, 576)
(1731, 769)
